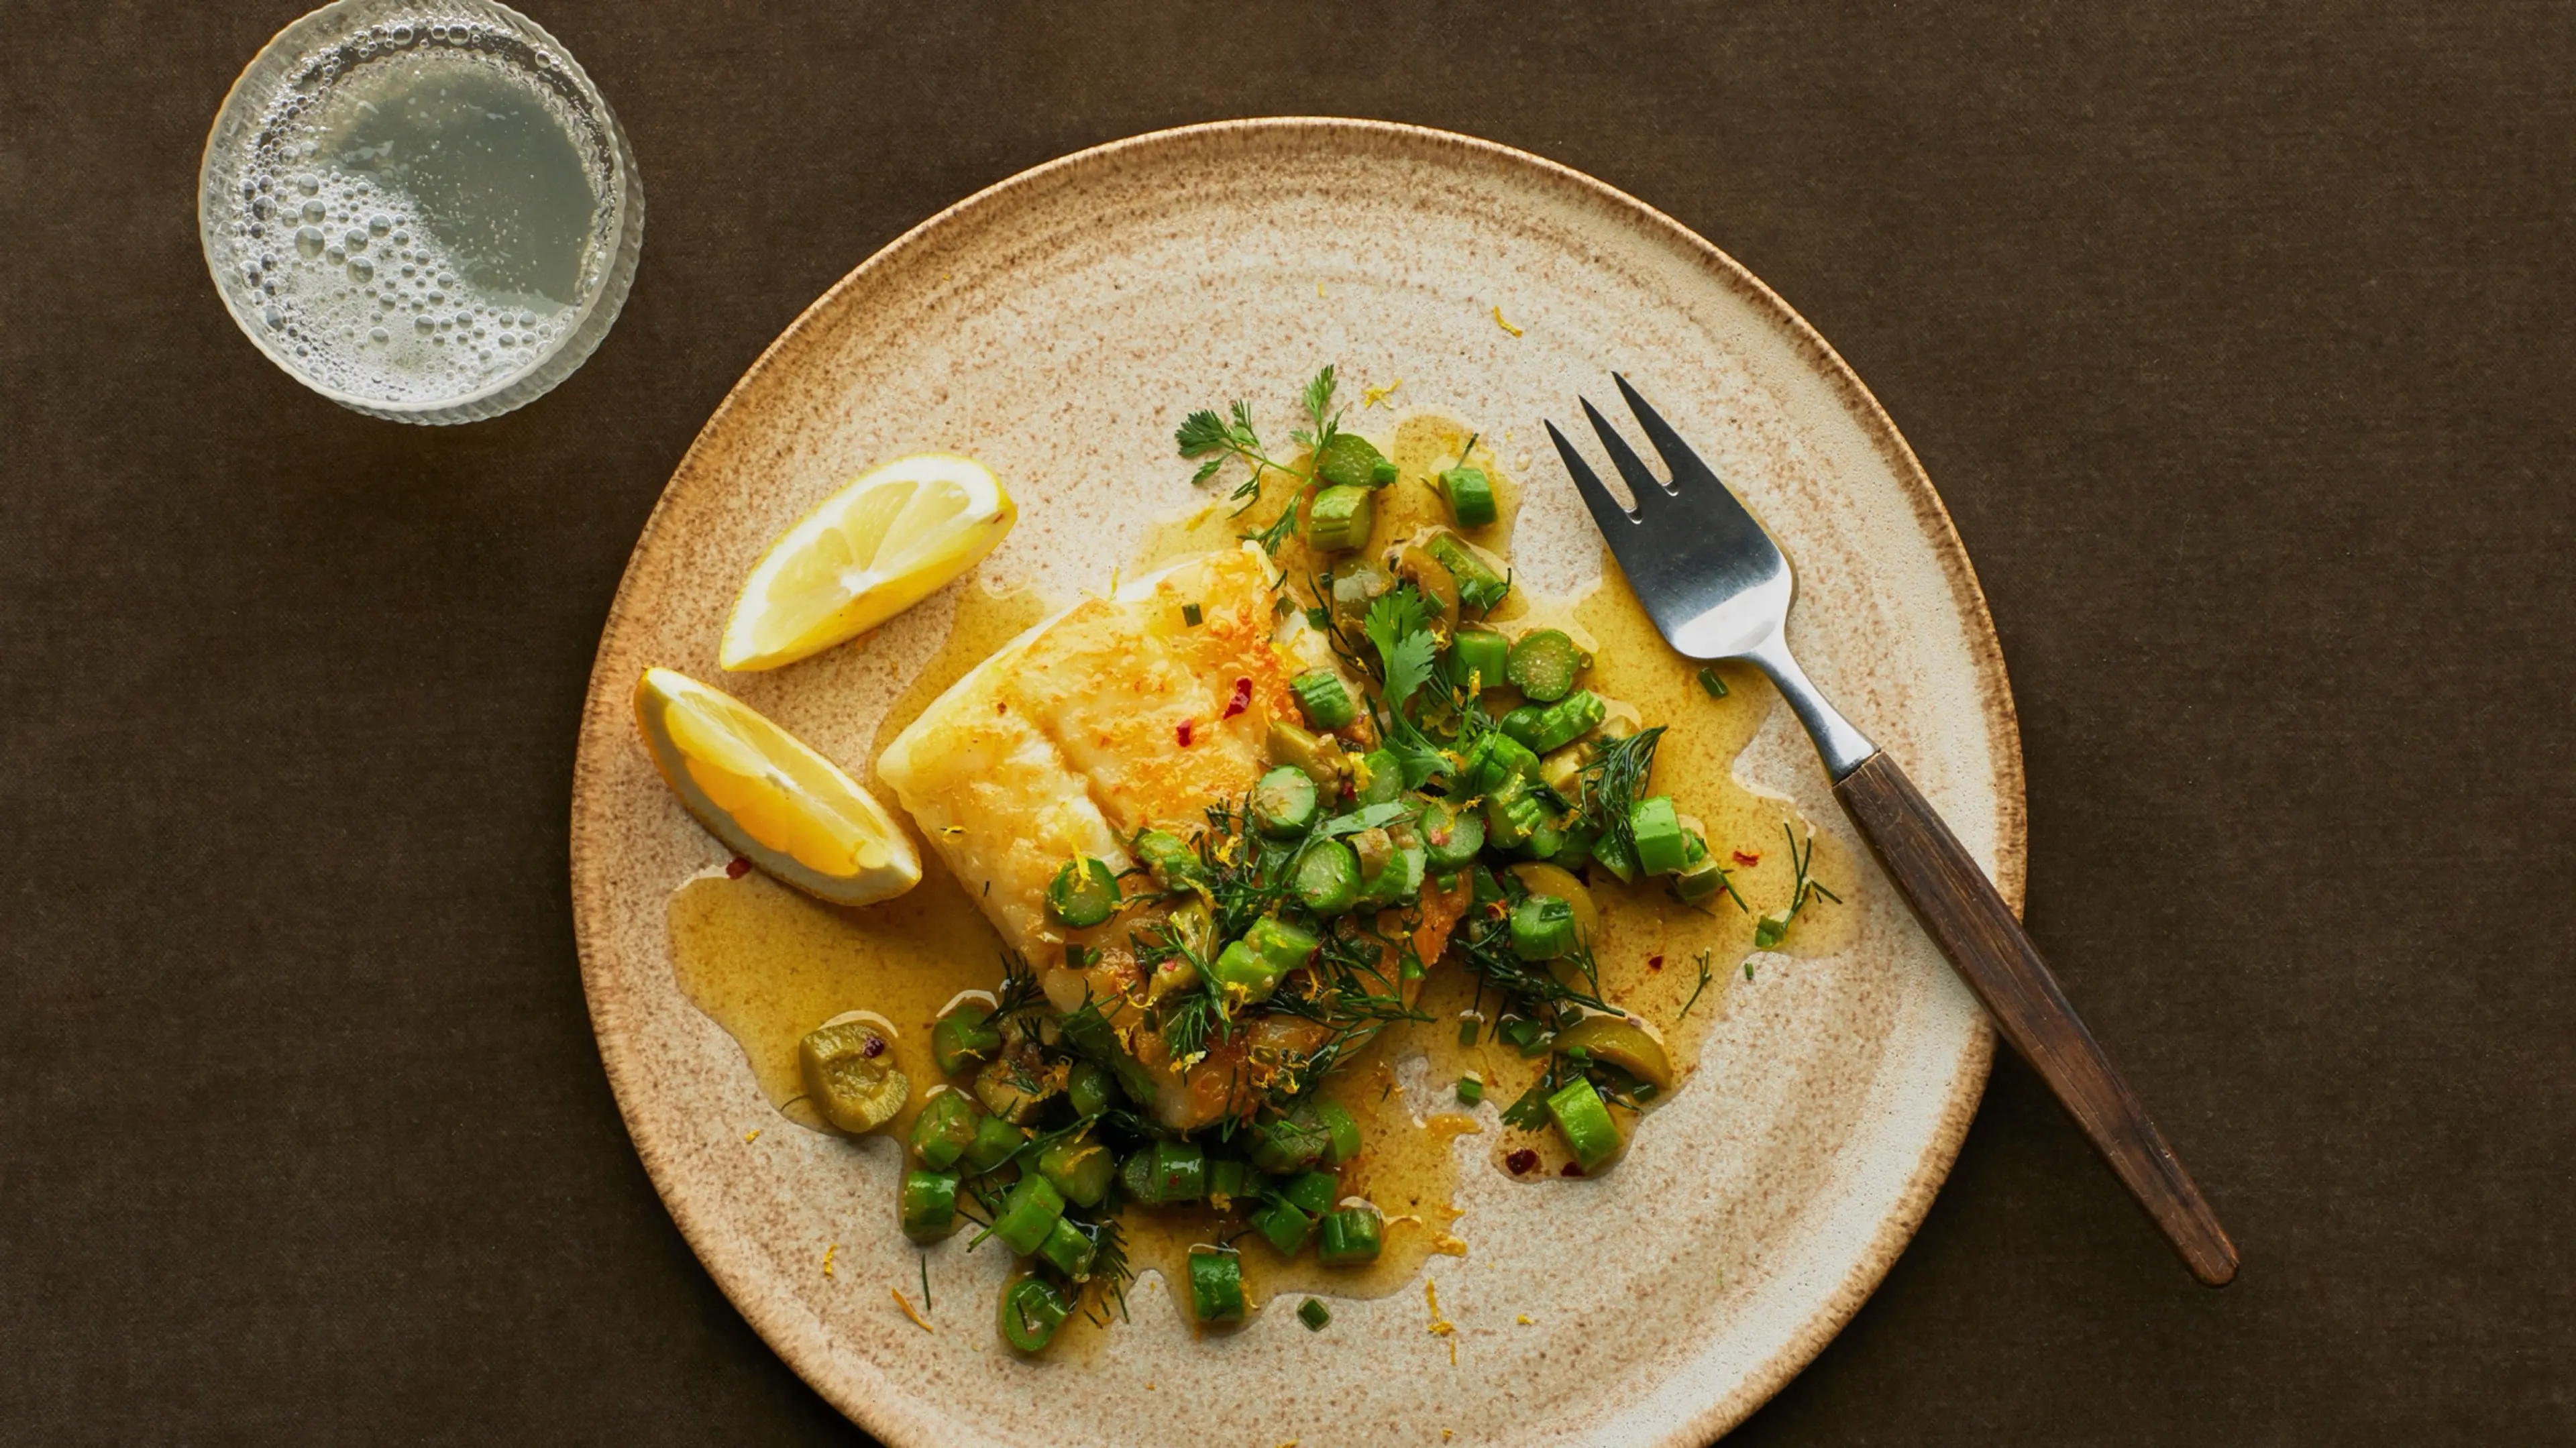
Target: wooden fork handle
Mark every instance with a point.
(1978, 932)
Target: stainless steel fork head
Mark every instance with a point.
(1708, 573)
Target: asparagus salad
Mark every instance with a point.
(1232, 821)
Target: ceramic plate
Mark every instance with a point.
(1057, 326)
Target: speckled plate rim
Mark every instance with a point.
(604, 724)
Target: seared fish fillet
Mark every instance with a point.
(1115, 715)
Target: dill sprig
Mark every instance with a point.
(1695, 990)
(1773, 927)
(1615, 780)
(1110, 1270)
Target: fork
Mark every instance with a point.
(1719, 588)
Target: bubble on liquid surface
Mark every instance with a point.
(448, 166)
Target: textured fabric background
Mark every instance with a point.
(2236, 337)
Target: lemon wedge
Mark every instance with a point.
(870, 551)
(769, 796)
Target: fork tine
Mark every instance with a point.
(1649, 490)
(1605, 508)
(1677, 455)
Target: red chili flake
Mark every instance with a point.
(1654, 962)
(1521, 1160)
(739, 868)
(874, 1048)
(1183, 734)
(1571, 1170)
(1242, 699)
(1746, 859)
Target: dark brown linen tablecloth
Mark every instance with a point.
(2236, 337)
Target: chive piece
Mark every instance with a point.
(1216, 1283)
(1382, 776)
(1479, 587)
(1284, 946)
(1284, 802)
(1645, 1092)
(1661, 846)
(1495, 758)
(1770, 930)
(1450, 836)
(1068, 1249)
(1466, 1030)
(1542, 928)
(1242, 973)
(1190, 614)
(1084, 893)
(1611, 854)
(1476, 659)
(1399, 879)
(1226, 1179)
(1470, 495)
(1543, 664)
(929, 1204)
(1584, 1123)
(1319, 618)
(1323, 699)
(1314, 1314)
(1091, 1089)
(1349, 1237)
(1471, 1089)
(1028, 1214)
(1342, 1133)
(962, 1040)
(1312, 1192)
(1180, 1172)
(1284, 1144)
(995, 1141)
(1286, 1228)
(1513, 814)
(945, 1128)
(1340, 518)
(1709, 680)
(1523, 1035)
(1032, 1309)
(1079, 1169)
(1174, 864)
(1328, 878)
(1704, 880)
(1566, 720)
(1348, 460)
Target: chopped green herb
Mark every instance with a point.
(1709, 680)
(1314, 1314)
(1190, 614)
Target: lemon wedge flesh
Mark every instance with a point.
(771, 798)
(870, 551)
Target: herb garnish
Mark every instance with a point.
(1773, 927)
(1205, 434)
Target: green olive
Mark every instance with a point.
(850, 1074)
(1624, 1042)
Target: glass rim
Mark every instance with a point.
(588, 325)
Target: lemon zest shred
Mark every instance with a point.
(1524, 1320)
(906, 1304)
(1440, 1326)
(1499, 322)
(827, 1257)
(1372, 396)
(751, 1136)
